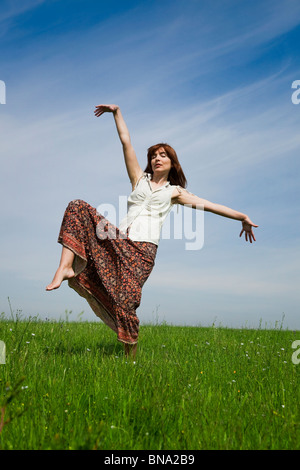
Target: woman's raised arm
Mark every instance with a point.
(132, 165)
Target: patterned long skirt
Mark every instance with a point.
(110, 269)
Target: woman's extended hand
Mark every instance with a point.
(105, 108)
(247, 228)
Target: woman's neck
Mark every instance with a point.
(159, 180)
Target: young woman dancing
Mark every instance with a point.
(108, 266)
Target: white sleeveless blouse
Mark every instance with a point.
(147, 210)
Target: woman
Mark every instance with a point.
(108, 266)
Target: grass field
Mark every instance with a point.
(68, 385)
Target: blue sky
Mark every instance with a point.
(213, 79)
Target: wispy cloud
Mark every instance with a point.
(10, 9)
(10, 12)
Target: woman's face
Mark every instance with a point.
(160, 162)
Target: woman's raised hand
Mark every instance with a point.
(105, 108)
(247, 228)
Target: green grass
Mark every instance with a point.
(67, 385)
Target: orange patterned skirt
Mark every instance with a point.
(110, 269)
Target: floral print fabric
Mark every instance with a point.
(110, 271)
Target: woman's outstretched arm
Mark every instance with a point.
(181, 196)
(132, 165)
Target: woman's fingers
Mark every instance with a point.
(98, 113)
(248, 233)
(253, 236)
(100, 110)
(247, 227)
(105, 108)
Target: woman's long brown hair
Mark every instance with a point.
(176, 175)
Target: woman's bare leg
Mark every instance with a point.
(130, 350)
(65, 270)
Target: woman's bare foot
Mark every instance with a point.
(61, 275)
